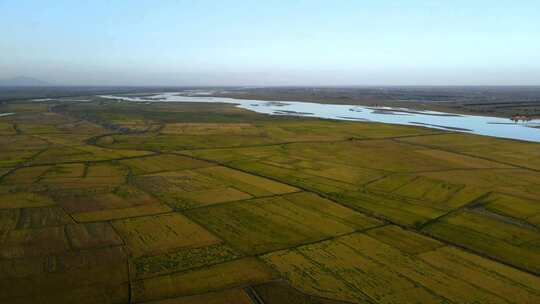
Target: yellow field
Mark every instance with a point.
(505, 241)
(252, 184)
(512, 206)
(162, 233)
(119, 213)
(186, 189)
(359, 268)
(221, 276)
(269, 224)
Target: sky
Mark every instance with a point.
(267, 43)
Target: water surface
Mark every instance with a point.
(482, 125)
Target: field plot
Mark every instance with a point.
(230, 296)
(100, 201)
(119, 213)
(59, 239)
(7, 129)
(409, 199)
(24, 200)
(506, 241)
(411, 243)
(361, 269)
(18, 149)
(198, 135)
(227, 275)
(182, 259)
(82, 153)
(503, 150)
(504, 281)
(26, 175)
(342, 167)
(268, 224)
(400, 211)
(518, 182)
(281, 292)
(162, 233)
(163, 163)
(254, 185)
(207, 186)
(397, 156)
(93, 276)
(209, 128)
(32, 218)
(98, 192)
(515, 207)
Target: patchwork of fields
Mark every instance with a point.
(106, 202)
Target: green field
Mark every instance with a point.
(163, 203)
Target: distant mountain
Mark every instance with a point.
(23, 82)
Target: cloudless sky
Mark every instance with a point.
(288, 42)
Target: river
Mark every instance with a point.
(482, 125)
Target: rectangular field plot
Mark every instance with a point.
(156, 234)
(62, 179)
(181, 260)
(508, 151)
(7, 129)
(435, 193)
(31, 218)
(359, 268)
(119, 213)
(57, 240)
(254, 185)
(518, 182)
(515, 207)
(267, 224)
(110, 170)
(79, 152)
(26, 175)
(279, 292)
(188, 189)
(206, 186)
(209, 128)
(299, 177)
(230, 296)
(507, 282)
(100, 199)
(94, 276)
(65, 171)
(398, 210)
(162, 163)
(24, 200)
(213, 196)
(406, 241)
(509, 242)
(237, 273)
(336, 271)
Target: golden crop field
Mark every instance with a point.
(172, 203)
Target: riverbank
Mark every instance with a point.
(484, 101)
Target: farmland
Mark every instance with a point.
(167, 203)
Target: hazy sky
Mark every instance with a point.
(268, 42)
